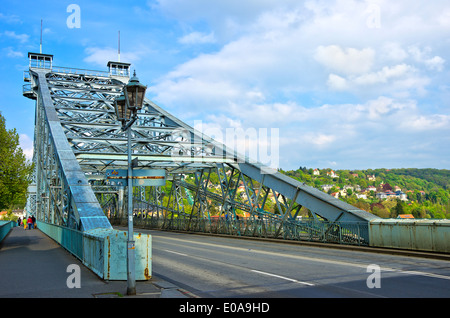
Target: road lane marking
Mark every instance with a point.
(314, 259)
(282, 277)
(173, 252)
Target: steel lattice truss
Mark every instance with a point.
(77, 138)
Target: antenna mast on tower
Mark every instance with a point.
(40, 45)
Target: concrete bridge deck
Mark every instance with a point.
(32, 265)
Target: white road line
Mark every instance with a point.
(314, 259)
(416, 273)
(282, 277)
(176, 253)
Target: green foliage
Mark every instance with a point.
(15, 171)
(428, 190)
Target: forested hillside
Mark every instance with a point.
(424, 193)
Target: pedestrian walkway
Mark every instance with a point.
(32, 265)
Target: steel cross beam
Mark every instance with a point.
(77, 138)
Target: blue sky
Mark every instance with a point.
(347, 84)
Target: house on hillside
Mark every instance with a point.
(371, 188)
(401, 195)
(332, 174)
(316, 172)
(346, 187)
(382, 195)
(392, 195)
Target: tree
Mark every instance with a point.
(398, 209)
(15, 170)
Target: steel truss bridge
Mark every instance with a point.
(209, 187)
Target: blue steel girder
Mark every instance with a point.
(318, 202)
(63, 192)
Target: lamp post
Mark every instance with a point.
(127, 106)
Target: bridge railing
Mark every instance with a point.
(351, 233)
(79, 71)
(5, 227)
(103, 250)
(431, 235)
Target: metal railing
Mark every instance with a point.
(79, 71)
(70, 239)
(5, 227)
(103, 250)
(87, 248)
(350, 233)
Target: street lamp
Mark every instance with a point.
(127, 106)
(130, 101)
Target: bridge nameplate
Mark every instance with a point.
(144, 177)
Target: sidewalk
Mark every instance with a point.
(34, 266)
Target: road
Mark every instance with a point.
(217, 267)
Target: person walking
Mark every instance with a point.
(33, 220)
(30, 223)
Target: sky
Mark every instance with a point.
(327, 84)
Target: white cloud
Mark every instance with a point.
(435, 63)
(10, 18)
(228, 17)
(22, 38)
(336, 87)
(385, 75)
(26, 143)
(337, 82)
(346, 61)
(428, 123)
(423, 56)
(197, 38)
(101, 56)
(393, 51)
(398, 80)
(10, 52)
(319, 139)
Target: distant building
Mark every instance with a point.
(316, 172)
(332, 174)
(401, 195)
(405, 216)
(371, 188)
(392, 195)
(346, 187)
(382, 195)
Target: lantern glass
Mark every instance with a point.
(121, 109)
(135, 93)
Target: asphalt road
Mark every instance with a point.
(217, 267)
